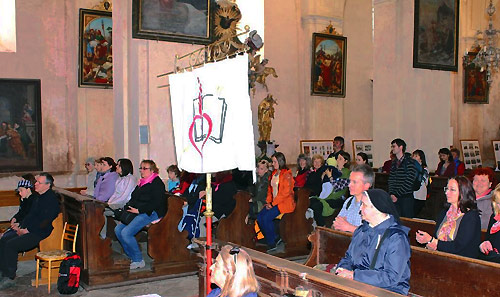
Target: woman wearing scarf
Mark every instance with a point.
(148, 201)
(490, 248)
(458, 228)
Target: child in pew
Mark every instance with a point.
(26, 198)
(173, 177)
(233, 274)
(490, 248)
(259, 189)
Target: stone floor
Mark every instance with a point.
(178, 287)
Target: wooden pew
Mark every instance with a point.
(294, 227)
(433, 273)
(102, 267)
(278, 276)
(233, 228)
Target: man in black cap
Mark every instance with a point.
(379, 253)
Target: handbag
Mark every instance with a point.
(124, 216)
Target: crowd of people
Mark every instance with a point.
(338, 190)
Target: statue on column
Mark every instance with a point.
(265, 116)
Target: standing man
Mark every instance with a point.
(338, 147)
(401, 178)
(36, 226)
(360, 180)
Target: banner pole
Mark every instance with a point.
(208, 215)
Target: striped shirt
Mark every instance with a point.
(401, 178)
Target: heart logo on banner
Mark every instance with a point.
(200, 117)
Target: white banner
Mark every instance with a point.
(212, 117)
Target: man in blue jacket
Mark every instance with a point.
(379, 253)
(36, 226)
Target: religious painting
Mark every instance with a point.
(476, 88)
(471, 153)
(328, 71)
(496, 152)
(316, 147)
(95, 51)
(20, 125)
(187, 21)
(363, 146)
(435, 39)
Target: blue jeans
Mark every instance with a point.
(126, 233)
(265, 219)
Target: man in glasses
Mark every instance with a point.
(36, 226)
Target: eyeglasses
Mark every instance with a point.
(144, 168)
(234, 251)
(446, 189)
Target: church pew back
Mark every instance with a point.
(278, 276)
(433, 273)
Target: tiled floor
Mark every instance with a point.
(177, 287)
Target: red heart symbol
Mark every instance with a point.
(202, 117)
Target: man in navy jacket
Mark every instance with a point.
(36, 226)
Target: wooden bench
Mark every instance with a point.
(433, 273)
(234, 228)
(278, 276)
(102, 267)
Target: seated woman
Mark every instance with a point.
(280, 199)
(105, 186)
(458, 228)
(490, 248)
(361, 158)
(303, 166)
(233, 274)
(148, 201)
(91, 176)
(124, 186)
(173, 177)
(482, 181)
(259, 190)
(315, 175)
(447, 166)
(334, 189)
(379, 252)
(26, 198)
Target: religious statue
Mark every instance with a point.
(265, 115)
(259, 71)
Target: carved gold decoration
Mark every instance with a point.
(106, 5)
(330, 30)
(258, 71)
(265, 116)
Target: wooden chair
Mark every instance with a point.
(53, 258)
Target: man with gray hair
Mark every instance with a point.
(91, 176)
(361, 179)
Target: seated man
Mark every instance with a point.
(379, 253)
(36, 226)
(349, 218)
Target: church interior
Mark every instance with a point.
(123, 108)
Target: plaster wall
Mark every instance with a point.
(408, 103)
(76, 122)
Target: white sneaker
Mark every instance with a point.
(136, 265)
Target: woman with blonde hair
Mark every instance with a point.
(491, 246)
(233, 274)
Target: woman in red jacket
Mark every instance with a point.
(280, 199)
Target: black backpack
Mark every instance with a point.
(419, 177)
(69, 275)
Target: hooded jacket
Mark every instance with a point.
(392, 268)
